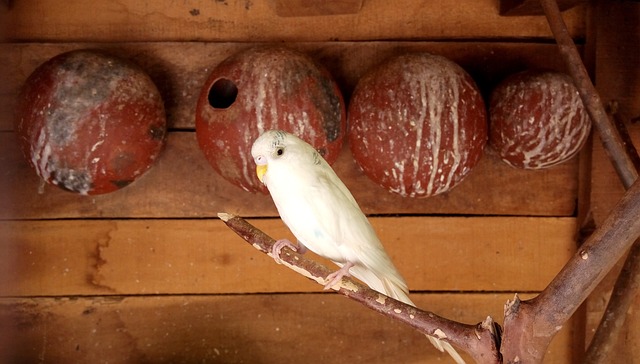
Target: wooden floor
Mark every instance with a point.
(148, 274)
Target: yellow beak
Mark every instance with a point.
(260, 171)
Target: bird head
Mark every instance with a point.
(276, 149)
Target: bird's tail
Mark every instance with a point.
(445, 346)
(395, 287)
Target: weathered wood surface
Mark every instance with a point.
(118, 257)
(183, 184)
(276, 328)
(316, 8)
(158, 308)
(242, 20)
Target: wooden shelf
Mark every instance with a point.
(140, 257)
(245, 20)
(149, 274)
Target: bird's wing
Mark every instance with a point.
(351, 231)
(324, 216)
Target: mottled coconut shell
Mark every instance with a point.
(89, 122)
(537, 119)
(418, 124)
(260, 89)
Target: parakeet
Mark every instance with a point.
(325, 218)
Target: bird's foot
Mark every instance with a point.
(335, 277)
(277, 247)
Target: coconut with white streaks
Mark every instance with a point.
(89, 122)
(260, 89)
(537, 119)
(418, 124)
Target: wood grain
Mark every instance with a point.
(532, 7)
(117, 257)
(316, 8)
(242, 20)
(183, 184)
(276, 328)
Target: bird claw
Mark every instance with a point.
(277, 247)
(335, 277)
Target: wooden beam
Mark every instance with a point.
(118, 257)
(532, 7)
(243, 20)
(316, 8)
(183, 185)
(276, 328)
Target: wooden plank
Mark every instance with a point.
(183, 184)
(532, 7)
(180, 69)
(310, 328)
(242, 20)
(116, 257)
(316, 8)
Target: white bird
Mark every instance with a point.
(325, 218)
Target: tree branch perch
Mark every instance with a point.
(530, 325)
(624, 159)
(480, 341)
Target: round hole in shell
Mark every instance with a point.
(222, 93)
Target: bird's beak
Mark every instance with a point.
(260, 171)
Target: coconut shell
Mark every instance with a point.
(418, 124)
(260, 89)
(537, 119)
(89, 122)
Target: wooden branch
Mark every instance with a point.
(620, 122)
(611, 140)
(480, 341)
(625, 161)
(622, 296)
(530, 325)
(627, 285)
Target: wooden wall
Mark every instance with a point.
(617, 75)
(148, 273)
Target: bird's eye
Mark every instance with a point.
(280, 151)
